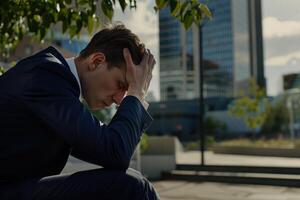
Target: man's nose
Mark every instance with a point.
(117, 98)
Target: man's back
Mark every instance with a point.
(28, 147)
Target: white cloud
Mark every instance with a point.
(144, 22)
(275, 28)
(141, 20)
(284, 10)
(283, 60)
(281, 29)
(275, 75)
(277, 67)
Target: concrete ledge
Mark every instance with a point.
(160, 156)
(154, 165)
(245, 178)
(277, 152)
(161, 145)
(239, 169)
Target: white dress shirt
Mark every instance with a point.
(72, 65)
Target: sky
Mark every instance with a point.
(144, 22)
(281, 33)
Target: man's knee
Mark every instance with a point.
(142, 188)
(121, 185)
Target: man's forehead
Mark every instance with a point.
(122, 69)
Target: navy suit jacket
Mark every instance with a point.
(42, 121)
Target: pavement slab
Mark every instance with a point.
(194, 157)
(185, 190)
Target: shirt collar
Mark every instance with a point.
(72, 65)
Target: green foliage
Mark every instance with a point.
(261, 143)
(187, 12)
(144, 143)
(195, 145)
(1, 70)
(102, 115)
(22, 17)
(192, 146)
(212, 125)
(277, 117)
(252, 107)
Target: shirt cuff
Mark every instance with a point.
(146, 117)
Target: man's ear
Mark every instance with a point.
(96, 59)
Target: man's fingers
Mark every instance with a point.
(152, 61)
(127, 57)
(140, 75)
(145, 58)
(148, 82)
(151, 58)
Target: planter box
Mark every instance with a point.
(160, 156)
(154, 165)
(259, 151)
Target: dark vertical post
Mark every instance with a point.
(201, 99)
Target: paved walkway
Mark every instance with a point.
(175, 190)
(181, 190)
(193, 157)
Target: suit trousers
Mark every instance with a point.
(97, 184)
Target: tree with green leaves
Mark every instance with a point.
(22, 17)
(252, 107)
(277, 120)
(212, 125)
(1, 70)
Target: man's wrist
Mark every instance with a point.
(138, 94)
(140, 97)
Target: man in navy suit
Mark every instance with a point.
(43, 121)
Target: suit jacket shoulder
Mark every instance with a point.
(47, 64)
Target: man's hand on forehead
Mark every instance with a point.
(139, 76)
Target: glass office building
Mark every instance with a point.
(171, 79)
(232, 51)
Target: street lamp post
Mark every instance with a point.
(201, 99)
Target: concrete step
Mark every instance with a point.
(236, 168)
(289, 180)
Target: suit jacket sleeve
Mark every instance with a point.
(54, 101)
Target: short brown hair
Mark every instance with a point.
(111, 41)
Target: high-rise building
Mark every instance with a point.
(232, 51)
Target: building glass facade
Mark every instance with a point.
(171, 80)
(218, 50)
(227, 51)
